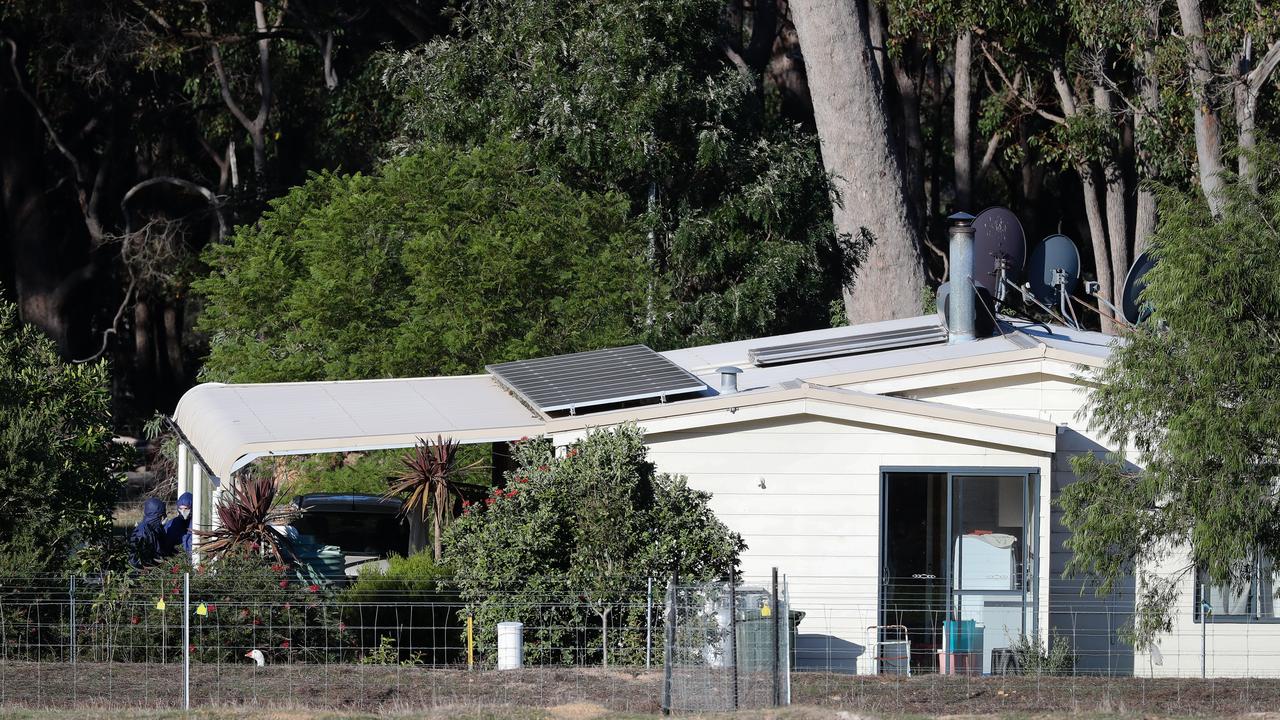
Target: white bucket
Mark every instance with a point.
(510, 645)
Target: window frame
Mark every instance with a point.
(1254, 616)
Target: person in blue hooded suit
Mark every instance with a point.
(147, 543)
(177, 532)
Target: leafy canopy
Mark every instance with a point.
(60, 472)
(640, 96)
(1193, 393)
(586, 528)
(444, 260)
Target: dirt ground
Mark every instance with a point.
(52, 691)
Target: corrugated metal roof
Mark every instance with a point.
(230, 425)
(704, 360)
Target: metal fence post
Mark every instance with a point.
(186, 641)
(1204, 623)
(71, 598)
(648, 624)
(669, 651)
(733, 634)
(777, 644)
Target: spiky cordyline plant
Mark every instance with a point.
(430, 485)
(246, 512)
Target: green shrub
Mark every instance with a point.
(412, 599)
(248, 603)
(566, 547)
(1035, 659)
(60, 471)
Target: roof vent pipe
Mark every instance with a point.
(961, 300)
(729, 379)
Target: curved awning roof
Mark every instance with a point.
(231, 425)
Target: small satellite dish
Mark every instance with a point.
(1131, 307)
(998, 242)
(1054, 261)
(984, 310)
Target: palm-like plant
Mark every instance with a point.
(430, 485)
(246, 512)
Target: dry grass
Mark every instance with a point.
(54, 691)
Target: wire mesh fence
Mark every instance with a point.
(730, 646)
(227, 641)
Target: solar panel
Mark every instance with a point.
(927, 333)
(597, 377)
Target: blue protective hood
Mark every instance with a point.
(152, 511)
(184, 500)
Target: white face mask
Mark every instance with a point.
(185, 512)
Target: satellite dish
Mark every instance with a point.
(984, 324)
(1054, 260)
(998, 241)
(1131, 307)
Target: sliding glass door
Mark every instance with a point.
(958, 552)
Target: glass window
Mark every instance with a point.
(1243, 601)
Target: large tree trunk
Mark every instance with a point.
(1116, 199)
(1247, 88)
(857, 148)
(29, 226)
(962, 120)
(1092, 209)
(1144, 221)
(1208, 124)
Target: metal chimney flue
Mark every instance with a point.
(962, 309)
(729, 379)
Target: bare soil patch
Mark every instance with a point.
(109, 690)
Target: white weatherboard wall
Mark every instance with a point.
(817, 516)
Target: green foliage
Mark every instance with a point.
(578, 531)
(363, 473)
(415, 596)
(1192, 394)
(445, 260)
(60, 471)
(1034, 658)
(416, 576)
(628, 96)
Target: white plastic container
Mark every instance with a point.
(510, 645)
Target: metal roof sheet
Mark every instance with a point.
(232, 424)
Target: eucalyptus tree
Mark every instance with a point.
(1192, 399)
(672, 103)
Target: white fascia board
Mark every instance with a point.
(910, 423)
(1039, 442)
(253, 451)
(955, 376)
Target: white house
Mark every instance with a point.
(894, 477)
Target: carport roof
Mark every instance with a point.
(230, 425)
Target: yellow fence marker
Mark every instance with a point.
(160, 604)
(471, 645)
(202, 610)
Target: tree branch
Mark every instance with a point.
(115, 322)
(1012, 88)
(76, 167)
(1257, 77)
(177, 182)
(225, 88)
